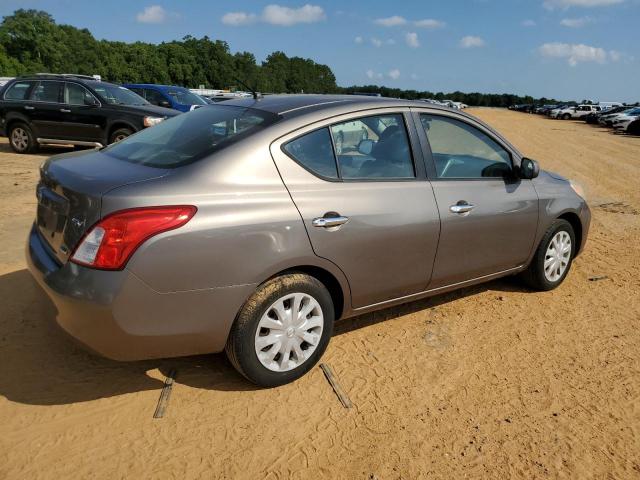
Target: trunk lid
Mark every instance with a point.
(70, 194)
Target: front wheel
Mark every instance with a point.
(552, 260)
(566, 116)
(22, 139)
(282, 330)
(120, 134)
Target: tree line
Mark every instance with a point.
(32, 42)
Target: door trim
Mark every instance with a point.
(433, 291)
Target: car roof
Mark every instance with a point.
(153, 85)
(291, 105)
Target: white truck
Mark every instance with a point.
(576, 112)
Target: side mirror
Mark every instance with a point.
(529, 169)
(91, 101)
(365, 146)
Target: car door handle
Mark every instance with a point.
(327, 222)
(29, 107)
(461, 207)
(65, 110)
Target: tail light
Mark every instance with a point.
(109, 244)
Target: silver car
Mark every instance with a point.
(252, 226)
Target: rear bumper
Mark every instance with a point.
(117, 315)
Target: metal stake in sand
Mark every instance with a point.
(342, 396)
(163, 401)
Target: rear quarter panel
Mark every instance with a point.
(246, 228)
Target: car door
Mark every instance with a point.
(155, 97)
(46, 114)
(365, 202)
(488, 216)
(83, 117)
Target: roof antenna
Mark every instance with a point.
(256, 95)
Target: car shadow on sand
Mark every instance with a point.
(42, 365)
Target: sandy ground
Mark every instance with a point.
(489, 382)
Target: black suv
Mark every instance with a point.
(72, 109)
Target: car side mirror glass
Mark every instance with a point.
(365, 146)
(529, 168)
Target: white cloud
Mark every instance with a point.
(358, 39)
(373, 75)
(414, 76)
(429, 23)
(564, 4)
(412, 39)
(236, 19)
(393, 21)
(471, 42)
(376, 42)
(152, 14)
(575, 22)
(576, 53)
(277, 15)
(285, 16)
(615, 55)
(394, 74)
(528, 23)
(391, 41)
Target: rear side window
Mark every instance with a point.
(368, 148)
(47, 92)
(18, 91)
(315, 152)
(190, 136)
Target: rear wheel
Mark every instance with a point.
(282, 330)
(552, 260)
(566, 116)
(120, 134)
(22, 139)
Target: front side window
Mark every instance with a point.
(75, 94)
(191, 136)
(367, 148)
(47, 92)
(185, 97)
(116, 95)
(154, 97)
(462, 151)
(18, 91)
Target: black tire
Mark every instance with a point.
(566, 116)
(240, 346)
(535, 276)
(119, 134)
(22, 139)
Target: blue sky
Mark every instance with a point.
(557, 48)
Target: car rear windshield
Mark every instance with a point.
(117, 95)
(190, 136)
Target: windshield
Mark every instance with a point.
(190, 136)
(116, 95)
(185, 97)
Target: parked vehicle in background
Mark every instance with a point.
(544, 109)
(633, 128)
(245, 228)
(593, 117)
(622, 120)
(71, 109)
(576, 112)
(608, 118)
(178, 98)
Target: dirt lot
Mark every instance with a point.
(492, 381)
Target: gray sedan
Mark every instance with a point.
(252, 226)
